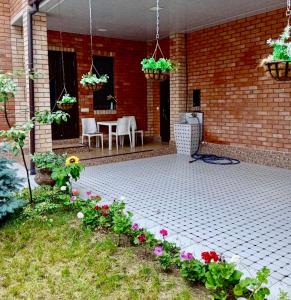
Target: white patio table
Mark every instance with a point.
(109, 124)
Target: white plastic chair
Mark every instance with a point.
(122, 129)
(89, 130)
(134, 130)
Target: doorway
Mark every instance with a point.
(69, 129)
(165, 110)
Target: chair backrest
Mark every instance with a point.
(89, 125)
(132, 122)
(123, 126)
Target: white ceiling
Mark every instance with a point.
(132, 19)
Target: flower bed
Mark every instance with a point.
(222, 278)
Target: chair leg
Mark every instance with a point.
(82, 142)
(130, 142)
(101, 136)
(141, 134)
(116, 141)
(89, 141)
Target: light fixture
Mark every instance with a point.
(154, 8)
(102, 29)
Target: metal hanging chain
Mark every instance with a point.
(91, 40)
(158, 32)
(64, 90)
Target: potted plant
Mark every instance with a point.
(66, 102)
(91, 82)
(157, 69)
(279, 63)
(45, 164)
(113, 101)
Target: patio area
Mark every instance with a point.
(243, 209)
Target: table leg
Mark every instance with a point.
(110, 137)
(133, 139)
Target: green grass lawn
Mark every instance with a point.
(66, 261)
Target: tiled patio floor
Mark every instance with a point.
(243, 209)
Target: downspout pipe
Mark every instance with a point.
(35, 8)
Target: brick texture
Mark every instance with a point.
(41, 83)
(178, 79)
(130, 84)
(16, 6)
(243, 106)
(5, 54)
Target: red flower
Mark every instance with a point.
(214, 256)
(97, 198)
(208, 257)
(105, 214)
(97, 207)
(163, 232)
(106, 207)
(141, 238)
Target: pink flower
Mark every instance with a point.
(186, 255)
(89, 194)
(163, 232)
(158, 251)
(135, 226)
(75, 192)
(73, 199)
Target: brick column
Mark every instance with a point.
(43, 136)
(5, 55)
(178, 79)
(21, 105)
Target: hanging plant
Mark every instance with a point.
(279, 63)
(93, 80)
(153, 68)
(67, 102)
(90, 81)
(157, 70)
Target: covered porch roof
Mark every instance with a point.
(135, 19)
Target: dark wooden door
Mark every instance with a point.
(70, 129)
(165, 110)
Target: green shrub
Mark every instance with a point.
(46, 200)
(48, 160)
(9, 184)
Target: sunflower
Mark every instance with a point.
(72, 160)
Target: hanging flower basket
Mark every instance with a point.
(279, 70)
(67, 102)
(157, 70)
(65, 106)
(91, 82)
(155, 75)
(94, 87)
(279, 63)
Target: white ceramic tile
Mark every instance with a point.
(243, 209)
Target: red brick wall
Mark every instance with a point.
(155, 88)
(5, 53)
(130, 84)
(243, 106)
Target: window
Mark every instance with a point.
(104, 65)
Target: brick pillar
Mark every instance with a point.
(178, 79)
(5, 55)
(43, 136)
(150, 107)
(21, 105)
